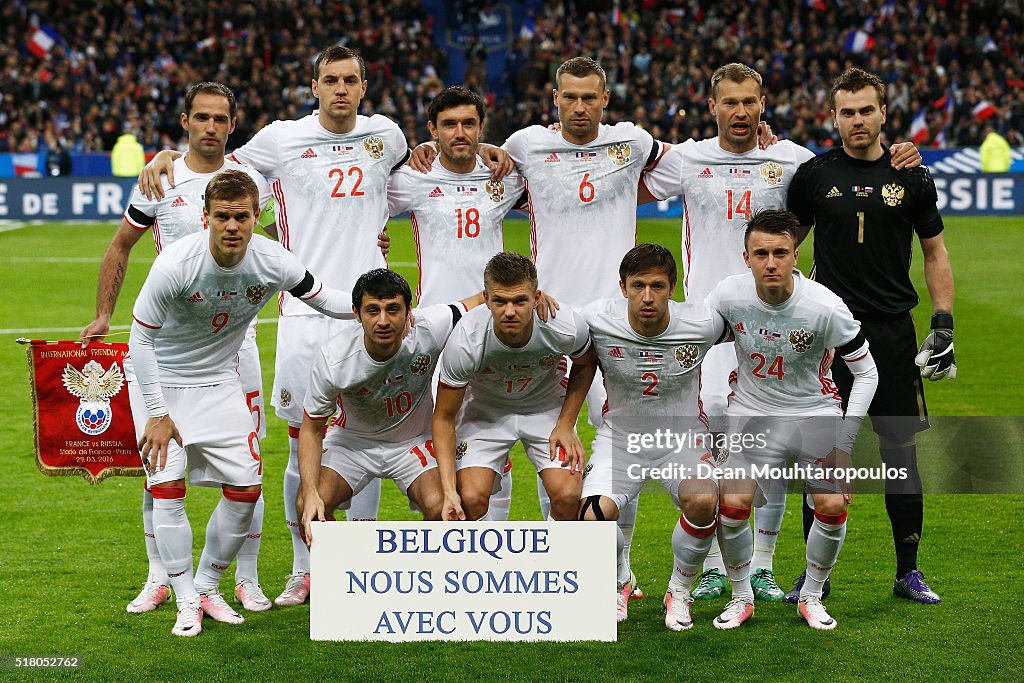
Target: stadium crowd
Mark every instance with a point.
(121, 66)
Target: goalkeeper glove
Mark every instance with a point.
(935, 358)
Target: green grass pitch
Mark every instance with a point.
(71, 555)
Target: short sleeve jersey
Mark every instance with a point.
(388, 401)
(582, 204)
(865, 215)
(331, 192)
(652, 376)
(202, 310)
(457, 223)
(180, 212)
(502, 380)
(784, 351)
(721, 191)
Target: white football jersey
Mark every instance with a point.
(457, 223)
(652, 376)
(331, 193)
(503, 380)
(721, 191)
(784, 351)
(202, 310)
(387, 401)
(582, 203)
(180, 212)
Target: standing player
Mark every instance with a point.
(503, 380)
(209, 118)
(787, 329)
(379, 374)
(329, 171)
(650, 349)
(457, 213)
(190, 319)
(865, 215)
(723, 181)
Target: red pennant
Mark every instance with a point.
(82, 416)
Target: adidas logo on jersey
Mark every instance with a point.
(436, 193)
(616, 353)
(308, 154)
(552, 158)
(178, 203)
(706, 173)
(833, 193)
(196, 298)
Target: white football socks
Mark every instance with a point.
(174, 540)
(156, 566)
(225, 534)
(498, 508)
(365, 504)
(690, 544)
(823, 545)
(627, 525)
(300, 553)
(737, 545)
(767, 522)
(248, 555)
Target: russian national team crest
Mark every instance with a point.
(286, 398)
(374, 146)
(687, 355)
(255, 293)
(94, 387)
(495, 190)
(801, 340)
(771, 172)
(420, 365)
(549, 361)
(460, 450)
(620, 153)
(892, 194)
(82, 415)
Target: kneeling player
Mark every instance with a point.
(509, 366)
(191, 317)
(650, 349)
(377, 375)
(784, 401)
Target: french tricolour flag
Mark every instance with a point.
(859, 41)
(42, 41)
(983, 110)
(919, 128)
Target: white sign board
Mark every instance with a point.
(412, 581)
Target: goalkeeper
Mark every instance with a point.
(865, 216)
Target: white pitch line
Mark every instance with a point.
(113, 328)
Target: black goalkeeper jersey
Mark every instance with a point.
(865, 215)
